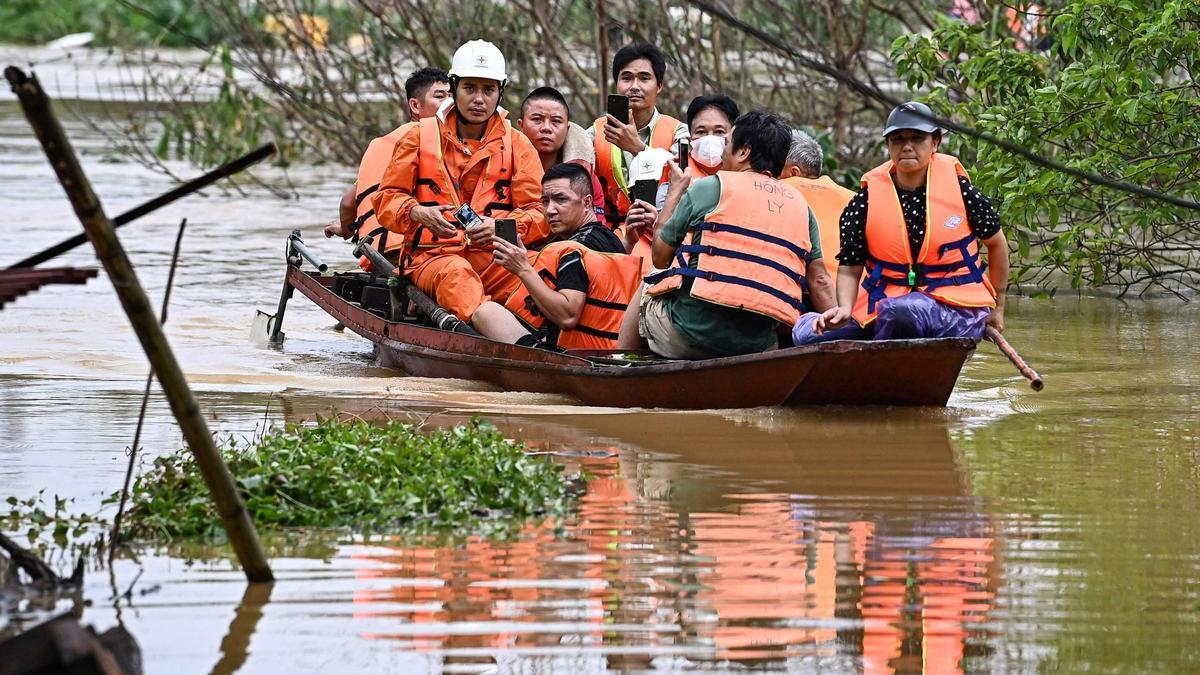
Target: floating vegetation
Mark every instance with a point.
(386, 478)
(389, 477)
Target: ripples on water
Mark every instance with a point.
(1009, 532)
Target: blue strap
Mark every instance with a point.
(659, 276)
(727, 279)
(754, 234)
(969, 260)
(875, 283)
(738, 255)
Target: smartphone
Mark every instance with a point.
(645, 189)
(618, 107)
(684, 147)
(467, 218)
(506, 229)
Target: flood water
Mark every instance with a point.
(1010, 531)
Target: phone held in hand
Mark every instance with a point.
(506, 229)
(467, 218)
(645, 189)
(684, 148)
(618, 107)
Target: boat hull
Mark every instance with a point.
(897, 372)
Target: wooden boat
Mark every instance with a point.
(898, 372)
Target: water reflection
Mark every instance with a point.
(844, 543)
(235, 647)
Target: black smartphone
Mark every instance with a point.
(618, 107)
(684, 147)
(645, 189)
(467, 218)
(506, 229)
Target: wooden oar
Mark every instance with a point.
(1035, 380)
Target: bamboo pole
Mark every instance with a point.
(99, 228)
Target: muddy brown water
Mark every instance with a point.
(1010, 531)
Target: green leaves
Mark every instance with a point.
(1115, 94)
(386, 477)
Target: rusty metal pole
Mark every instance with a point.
(99, 228)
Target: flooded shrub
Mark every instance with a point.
(389, 477)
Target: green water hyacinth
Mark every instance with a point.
(379, 477)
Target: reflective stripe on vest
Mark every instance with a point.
(612, 281)
(492, 196)
(947, 266)
(610, 165)
(752, 251)
(370, 172)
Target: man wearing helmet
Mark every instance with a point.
(918, 242)
(466, 155)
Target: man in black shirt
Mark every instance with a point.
(567, 201)
(924, 275)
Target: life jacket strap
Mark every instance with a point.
(753, 234)
(747, 257)
(727, 279)
(912, 276)
(358, 199)
(596, 332)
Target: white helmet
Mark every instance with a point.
(479, 58)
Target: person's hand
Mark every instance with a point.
(512, 258)
(335, 228)
(680, 180)
(640, 219)
(831, 319)
(483, 233)
(431, 218)
(996, 319)
(624, 135)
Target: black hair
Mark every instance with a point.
(421, 80)
(545, 94)
(640, 50)
(768, 138)
(580, 179)
(721, 102)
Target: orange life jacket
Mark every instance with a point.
(827, 199)
(698, 170)
(370, 170)
(612, 281)
(947, 267)
(493, 192)
(610, 165)
(753, 252)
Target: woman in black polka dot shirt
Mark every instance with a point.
(937, 290)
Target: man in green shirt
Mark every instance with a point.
(677, 323)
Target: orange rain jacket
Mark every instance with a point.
(463, 163)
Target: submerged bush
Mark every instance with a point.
(381, 477)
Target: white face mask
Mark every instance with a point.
(708, 150)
